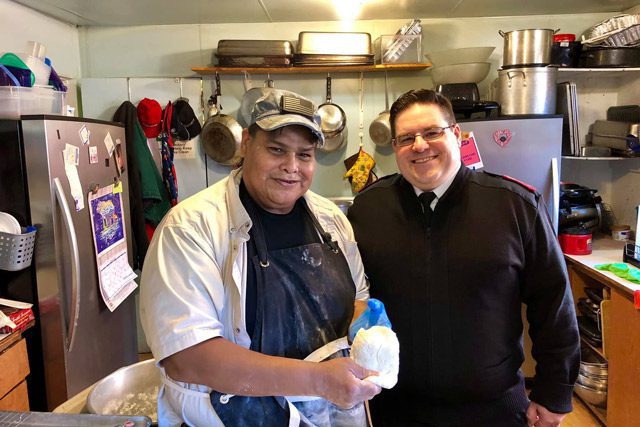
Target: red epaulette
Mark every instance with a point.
(529, 187)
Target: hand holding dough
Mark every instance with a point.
(378, 349)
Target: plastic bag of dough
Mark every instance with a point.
(378, 349)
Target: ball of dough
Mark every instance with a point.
(378, 349)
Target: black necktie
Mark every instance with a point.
(426, 198)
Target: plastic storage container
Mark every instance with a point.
(16, 250)
(398, 49)
(17, 101)
(565, 51)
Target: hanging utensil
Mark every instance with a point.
(221, 134)
(380, 127)
(333, 121)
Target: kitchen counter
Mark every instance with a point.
(77, 404)
(605, 251)
(620, 320)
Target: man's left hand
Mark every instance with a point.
(539, 416)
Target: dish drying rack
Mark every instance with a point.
(631, 253)
(400, 45)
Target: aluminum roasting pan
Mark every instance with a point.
(233, 47)
(334, 43)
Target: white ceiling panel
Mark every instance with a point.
(161, 12)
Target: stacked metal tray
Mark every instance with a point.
(254, 53)
(620, 30)
(333, 48)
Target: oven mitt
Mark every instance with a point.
(360, 173)
(373, 315)
(622, 270)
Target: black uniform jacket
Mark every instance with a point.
(453, 292)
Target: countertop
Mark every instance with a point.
(605, 251)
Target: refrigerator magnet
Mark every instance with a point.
(108, 142)
(502, 137)
(84, 134)
(93, 154)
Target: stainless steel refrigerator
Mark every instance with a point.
(77, 340)
(528, 148)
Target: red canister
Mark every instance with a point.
(575, 241)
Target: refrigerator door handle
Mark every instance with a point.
(555, 191)
(75, 264)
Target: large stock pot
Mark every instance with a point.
(527, 47)
(527, 90)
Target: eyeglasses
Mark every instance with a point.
(428, 134)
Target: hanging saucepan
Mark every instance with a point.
(333, 122)
(251, 95)
(221, 134)
(380, 127)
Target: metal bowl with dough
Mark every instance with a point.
(131, 390)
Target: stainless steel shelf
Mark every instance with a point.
(564, 73)
(597, 158)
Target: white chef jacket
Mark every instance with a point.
(194, 279)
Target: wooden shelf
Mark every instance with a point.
(593, 347)
(207, 71)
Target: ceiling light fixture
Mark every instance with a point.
(348, 10)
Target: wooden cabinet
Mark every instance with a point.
(621, 330)
(14, 368)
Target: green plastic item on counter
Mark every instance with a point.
(13, 60)
(622, 270)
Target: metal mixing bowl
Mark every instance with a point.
(132, 390)
(595, 397)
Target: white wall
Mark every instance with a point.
(171, 51)
(19, 24)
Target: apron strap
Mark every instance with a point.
(258, 233)
(326, 237)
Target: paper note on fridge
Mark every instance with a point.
(115, 276)
(469, 152)
(71, 156)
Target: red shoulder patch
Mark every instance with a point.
(517, 181)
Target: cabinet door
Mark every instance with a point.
(623, 355)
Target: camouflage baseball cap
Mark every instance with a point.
(278, 108)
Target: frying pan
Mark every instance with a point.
(221, 134)
(333, 123)
(380, 127)
(251, 95)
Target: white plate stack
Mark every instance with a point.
(8, 224)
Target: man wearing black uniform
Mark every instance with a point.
(453, 254)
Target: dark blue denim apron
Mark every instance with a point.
(305, 299)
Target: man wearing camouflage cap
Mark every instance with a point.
(248, 277)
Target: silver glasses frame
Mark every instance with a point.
(422, 135)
